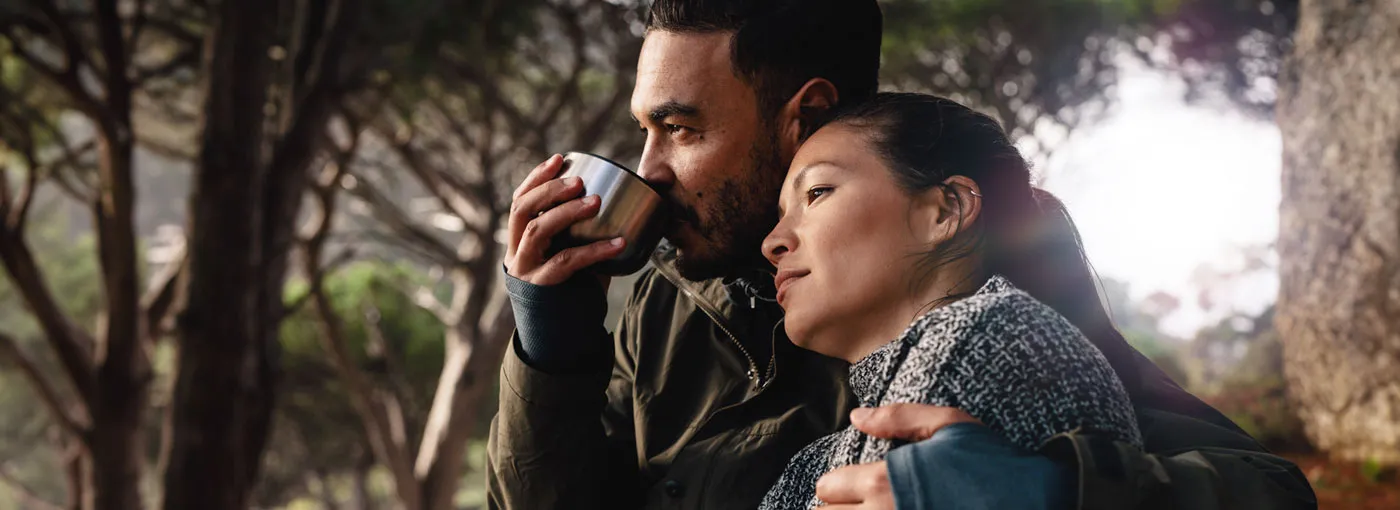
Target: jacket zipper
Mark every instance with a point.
(756, 378)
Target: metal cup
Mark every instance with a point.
(629, 208)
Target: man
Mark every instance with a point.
(698, 400)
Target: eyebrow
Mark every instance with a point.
(669, 109)
(801, 179)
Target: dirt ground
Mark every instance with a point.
(1344, 486)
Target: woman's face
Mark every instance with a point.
(846, 246)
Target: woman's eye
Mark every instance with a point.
(817, 192)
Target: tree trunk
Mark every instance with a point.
(224, 387)
(363, 500)
(1339, 233)
(474, 353)
(120, 396)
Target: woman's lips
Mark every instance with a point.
(785, 279)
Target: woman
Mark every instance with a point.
(913, 207)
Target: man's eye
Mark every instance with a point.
(676, 129)
(817, 192)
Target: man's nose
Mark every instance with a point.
(656, 170)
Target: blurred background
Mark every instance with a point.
(251, 248)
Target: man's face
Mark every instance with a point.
(708, 149)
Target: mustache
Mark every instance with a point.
(681, 213)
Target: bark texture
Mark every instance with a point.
(1339, 237)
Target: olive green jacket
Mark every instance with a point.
(677, 422)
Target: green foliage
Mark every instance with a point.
(1375, 471)
(414, 334)
(316, 427)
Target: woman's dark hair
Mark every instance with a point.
(778, 45)
(1025, 234)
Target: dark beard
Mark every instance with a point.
(740, 217)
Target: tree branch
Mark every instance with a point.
(114, 55)
(159, 300)
(463, 206)
(73, 345)
(66, 77)
(568, 91)
(72, 47)
(318, 280)
(399, 221)
(19, 214)
(185, 58)
(70, 161)
(138, 24)
(26, 495)
(379, 414)
(43, 388)
(490, 92)
(597, 123)
(5, 198)
(378, 344)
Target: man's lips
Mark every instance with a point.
(785, 278)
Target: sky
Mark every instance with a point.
(1160, 189)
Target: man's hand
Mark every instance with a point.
(859, 487)
(867, 486)
(541, 208)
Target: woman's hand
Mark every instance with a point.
(867, 486)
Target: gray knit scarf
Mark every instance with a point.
(999, 355)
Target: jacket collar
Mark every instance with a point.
(723, 296)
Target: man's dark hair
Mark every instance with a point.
(779, 45)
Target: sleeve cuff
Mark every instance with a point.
(969, 466)
(560, 327)
(541, 389)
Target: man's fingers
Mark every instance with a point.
(539, 232)
(542, 173)
(910, 422)
(569, 261)
(527, 209)
(854, 484)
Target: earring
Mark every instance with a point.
(974, 193)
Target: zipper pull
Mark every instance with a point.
(753, 302)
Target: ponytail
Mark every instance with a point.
(1043, 255)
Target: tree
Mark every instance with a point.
(82, 61)
(32, 446)
(395, 344)
(1046, 67)
(272, 73)
(463, 135)
(251, 172)
(1338, 246)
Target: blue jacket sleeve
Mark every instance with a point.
(967, 466)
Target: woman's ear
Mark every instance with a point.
(952, 208)
(803, 111)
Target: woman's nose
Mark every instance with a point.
(778, 243)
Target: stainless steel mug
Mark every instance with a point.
(629, 207)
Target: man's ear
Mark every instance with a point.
(803, 111)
